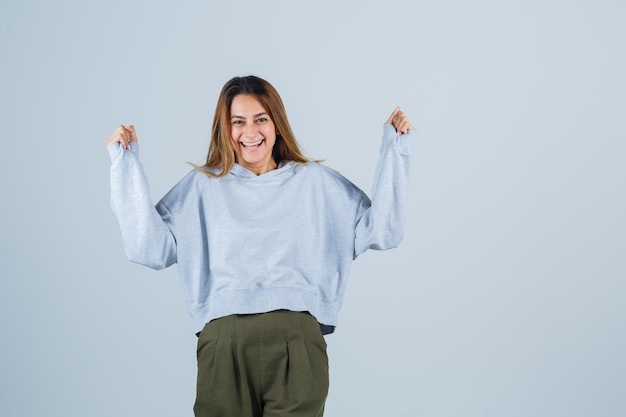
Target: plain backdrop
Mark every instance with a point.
(506, 297)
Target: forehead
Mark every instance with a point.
(246, 105)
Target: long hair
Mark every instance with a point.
(221, 157)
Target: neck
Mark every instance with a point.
(262, 168)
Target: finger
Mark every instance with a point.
(398, 118)
(403, 124)
(399, 122)
(390, 120)
(406, 126)
(124, 140)
(125, 137)
(115, 136)
(129, 135)
(133, 134)
(121, 136)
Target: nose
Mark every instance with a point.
(249, 130)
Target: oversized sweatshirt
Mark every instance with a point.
(248, 244)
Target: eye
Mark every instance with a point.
(237, 122)
(262, 120)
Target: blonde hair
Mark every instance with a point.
(221, 156)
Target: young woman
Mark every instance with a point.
(264, 240)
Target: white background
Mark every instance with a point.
(506, 297)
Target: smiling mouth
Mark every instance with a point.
(252, 145)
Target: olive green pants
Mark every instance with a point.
(270, 364)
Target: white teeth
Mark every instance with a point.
(252, 144)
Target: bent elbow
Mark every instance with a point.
(385, 241)
(395, 243)
(391, 241)
(146, 259)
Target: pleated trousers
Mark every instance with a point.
(262, 365)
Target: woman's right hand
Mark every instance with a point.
(123, 135)
(399, 120)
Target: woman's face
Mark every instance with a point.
(253, 134)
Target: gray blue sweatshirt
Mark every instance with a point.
(250, 244)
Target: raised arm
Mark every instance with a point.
(147, 233)
(381, 220)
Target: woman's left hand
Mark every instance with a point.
(399, 120)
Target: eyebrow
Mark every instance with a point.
(234, 116)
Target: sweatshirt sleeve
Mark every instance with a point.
(147, 231)
(380, 222)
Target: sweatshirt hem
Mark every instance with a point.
(227, 302)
